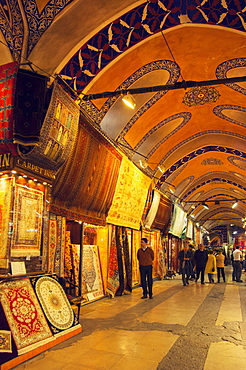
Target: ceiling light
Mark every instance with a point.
(143, 163)
(205, 205)
(234, 204)
(161, 168)
(234, 232)
(129, 100)
(171, 188)
(193, 207)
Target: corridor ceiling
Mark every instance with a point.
(198, 135)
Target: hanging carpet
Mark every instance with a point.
(8, 75)
(87, 181)
(29, 107)
(153, 210)
(58, 133)
(130, 196)
(163, 214)
(113, 281)
(25, 317)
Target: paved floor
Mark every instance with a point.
(192, 327)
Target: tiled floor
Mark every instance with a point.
(192, 327)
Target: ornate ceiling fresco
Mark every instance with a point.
(198, 135)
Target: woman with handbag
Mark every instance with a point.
(210, 268)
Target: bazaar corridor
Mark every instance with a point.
(193, 327)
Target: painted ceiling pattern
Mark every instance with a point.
(197, 135)
(141, 22)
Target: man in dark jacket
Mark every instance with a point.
(145, 256)
(200, 257)
(185, 267)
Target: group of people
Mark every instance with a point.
(194, 264)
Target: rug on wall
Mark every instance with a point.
(28, 208)
(6, 185)
(8, 75)
(113, 281)
(130, 196)
(55, 304)
(91, 273)
(24, 315)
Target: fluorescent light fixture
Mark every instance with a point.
(143, 163)
(205, 205)
(161, 168)
(234, 232)
(234, 204)
(129, 100)
(171, 188)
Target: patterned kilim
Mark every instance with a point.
(5, 341)
(25, 317)
(91, 272)
(54, 303)
(58, 133)
(127, 261)
(130, 196)
(87, 181)
(28, 208)
(71, 260)
(161, 267)
(135, 267)
(52, 241)
(113, 282)
(153, 210)
(163, 214)
(8, 74)
(60, 248)
(6, 185)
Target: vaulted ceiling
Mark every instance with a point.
(197, 134)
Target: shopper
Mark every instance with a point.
(210, 268)
(200, 257)
(220, 263)
(191, 249)
(185, 268)
(145, 256)
(237, 265)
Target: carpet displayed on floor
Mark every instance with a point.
(24, 315)
(54, 303)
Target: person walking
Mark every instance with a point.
(185, 268)
(220, 263)
(191, 249)
(145, 256)
(237, 265)
(210, 267)
(200, 258)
